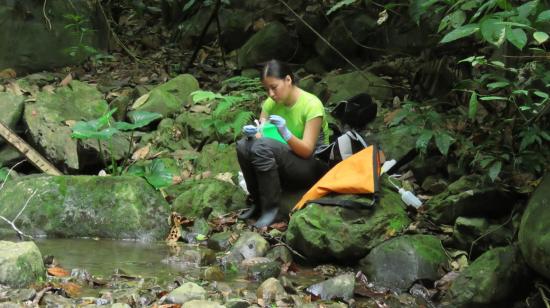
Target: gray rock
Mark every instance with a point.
(20, 264)
(339, 287)
(280, 253)
(272, 42)
(249, 245)
(12, 109)
(271, 291)
(202, 304)
(399, 262)
(493, 278)
(220, 241)
(344, 86)
(263, 271)
(332, 233)
(534, 238)
(479, 235)
(186, 292)
(214, 273)
(9, 155)
(21, 295)
(54, 300)
(48, 127)
(237, 303)
(218, 158)
(77, 206)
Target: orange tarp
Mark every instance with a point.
(357, 174)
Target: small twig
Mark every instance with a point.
(279, 242)
(489, 232)
(7, 175)
(115, 36)
(39, 296)
(12, 222)
(543, 295)
(46, 15)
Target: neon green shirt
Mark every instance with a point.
(307, 107)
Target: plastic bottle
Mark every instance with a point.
(409, 198)
(269, 130)
(242, 182)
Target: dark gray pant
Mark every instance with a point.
(269, 166)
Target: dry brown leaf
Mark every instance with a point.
(66, 80)
(14, 88)
(202, 56)
(58, 272)
(142, 152)
(259, 24)
(8, 73)
(70, 123)
(140, 101)
(200, 109)
(176, 179)
(72, 289)
(389, 117)
(48, 88)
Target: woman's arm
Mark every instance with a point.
(304, 147)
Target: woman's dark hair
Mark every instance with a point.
(277, 69)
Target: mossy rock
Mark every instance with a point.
(534, 238)
(197, 195)
(12, 108)
(399, 262)
(272, 42)
(344, 86)
(171, 96)
(218, 158)
(469, 196)
(20, 264)
(332, 233)
(492, 280)
(192, 127)
(122, 207)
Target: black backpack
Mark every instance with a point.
(343, 147)
(356, 112)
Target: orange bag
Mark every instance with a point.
(357, 174)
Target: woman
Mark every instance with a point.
(267, 164)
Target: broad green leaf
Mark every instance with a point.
(544, 16)
(443, 141)
(188, 5)
(199, 96)
(526, 9)
(339, 5)
(517, 37)
(528, 138)
(136, 170)
(484, 163)
(460, 32)
(497, 85)
(493, 98)
(492, 31)
(457, 18)
(201, 237)
(540, 37)
(417, 8)
(160, 174)
(541, 94)
(545, 135)
(4, 174)
(494, 171)
(487, 6)
(472, 108)
(423, 140)
(520, 92)
(139, 119)
(498, 63)
(515, 24)
(82, 130)
(104, 119)
(400, 116)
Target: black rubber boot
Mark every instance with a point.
(270, 193)
(252, 211)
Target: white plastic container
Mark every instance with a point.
(409, 198)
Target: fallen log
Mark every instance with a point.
(31, 154)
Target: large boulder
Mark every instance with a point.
(20, 264)
(197, 195)
(534, 238)
(48, 121)
(336, 88)
(344, 33)
(122, 207)
(272, 42)
(332, 233)
(469, 196)
(170, 97)
(401, 261)
(193, 128)
(12, 108)
(37, 38)
(492, 279)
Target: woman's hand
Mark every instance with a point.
(280, 122)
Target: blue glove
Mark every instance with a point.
(280, 122)
(250, 130)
